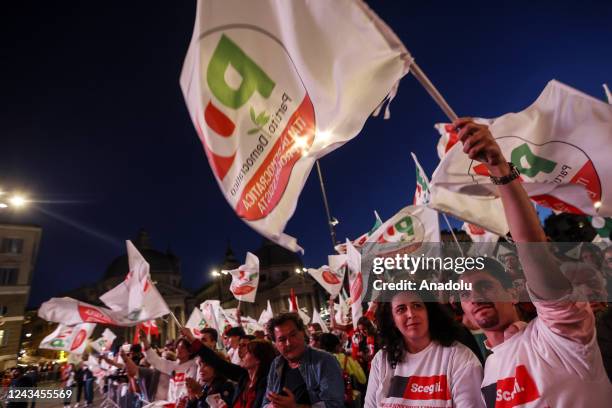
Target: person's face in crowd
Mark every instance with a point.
(242, 347)
(15, 373)
(234, 341)
(207, 373)
(311, 330)
(290, 341)
(489, 305)
(182, 352)
(410, 317)
(208, 340)
(362, 329)
(249, 361)
(589, 258)
(313, 342)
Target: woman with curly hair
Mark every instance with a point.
(421, 363)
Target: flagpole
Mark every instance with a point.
(176, 320)
(448, 111)
(330, 221)
(432, 91)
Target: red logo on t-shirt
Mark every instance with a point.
(513, 391)
(427, 388)
(179, 377)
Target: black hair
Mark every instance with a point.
(329, 342)
(282, 319)
(212, 332)
(496, 270)
(442, 327)
(248, 337)
(235, 331)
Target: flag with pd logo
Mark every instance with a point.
(68, 338)
(330, 279)
(487, 212)
(556, 144)
(271, 86)
(245, 279)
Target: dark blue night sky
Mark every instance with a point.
(94, 125)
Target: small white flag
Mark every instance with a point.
(330, 279)
(196, 322)
(105, 342)
(266, 315)
(316, 318)
(245, 279)
(72, 339)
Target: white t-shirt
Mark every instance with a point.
(437, 376)
(537, 368)
(178, 373)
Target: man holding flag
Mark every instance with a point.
(554, 361)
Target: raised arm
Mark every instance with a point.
(541, 268)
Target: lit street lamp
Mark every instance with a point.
(14, 200)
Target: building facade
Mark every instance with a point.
(18, 252)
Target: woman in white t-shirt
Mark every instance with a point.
(421, 363)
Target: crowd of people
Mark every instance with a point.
(485, 349)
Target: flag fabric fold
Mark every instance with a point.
(104, 342)
(556, 145)
(266, 104)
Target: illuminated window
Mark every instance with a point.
(3, 338)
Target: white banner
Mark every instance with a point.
(271, 86)
(409, 229)
(245, 279)
(316, 318)
(363, 238)
(356, 284)
(72, 339)
(478, 234)
(556, 144)
(266, 315)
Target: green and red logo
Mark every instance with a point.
(257, 120)
(551, 162)
(403, 237)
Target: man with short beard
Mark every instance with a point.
(554, 361)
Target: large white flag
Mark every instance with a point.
(556, 144)
(196, 322)
(104, 342)
(271, 86)
(486, 212)
(133, 301)
(245, 279)
(68, 338)
(356, 284)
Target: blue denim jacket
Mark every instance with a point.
(322, 376)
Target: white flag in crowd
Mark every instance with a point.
(265, 103)
(361, 240)
(608, 93)
(483, 211)
(408, 229)
(136, 296)
(266, 315)
(478, 234)
(104, 342)
(556, 145)
(196, 322)
(342, 309)
(356, 284)
(245, 279)
(68, 338)
(330, 278)
(133, 301)
(316, 318)
(211, 310)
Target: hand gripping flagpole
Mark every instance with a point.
(450, 114)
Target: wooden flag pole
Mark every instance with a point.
(176, 320)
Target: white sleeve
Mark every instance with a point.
(374, 381)
(165, 366)
(466, 379)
